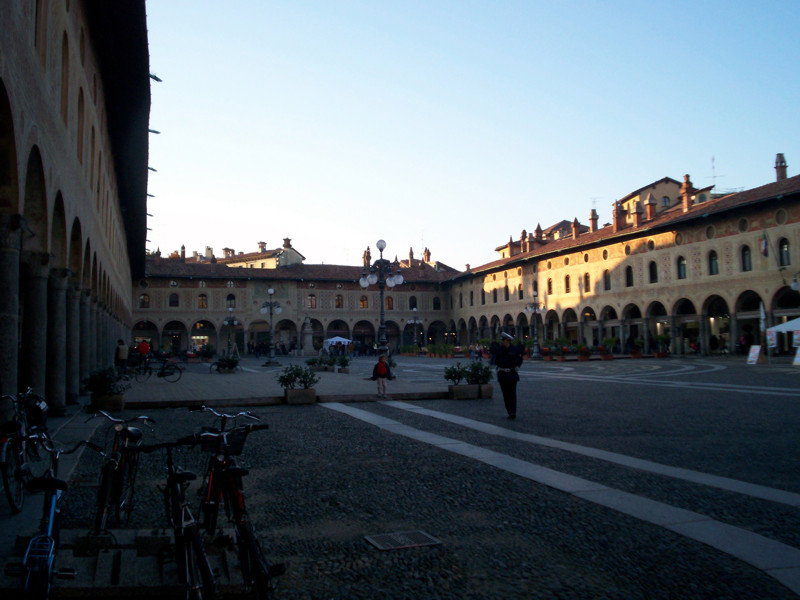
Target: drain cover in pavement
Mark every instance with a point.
(403, 539)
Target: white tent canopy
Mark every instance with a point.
(336, 340)
(793, 325)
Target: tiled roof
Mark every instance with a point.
(166, 267)
(667, 219)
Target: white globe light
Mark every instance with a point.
(270, 291)
(278, 310)
(363, 282)
(372, 279)
(390, 282)
(381, 245)
(398, 279)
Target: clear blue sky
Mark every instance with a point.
(452, 125)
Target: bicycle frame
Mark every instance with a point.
(39, 559)
(121, 464)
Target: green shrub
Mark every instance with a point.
(455, 374)
(105, 382)
(478, 372)
(295, 376)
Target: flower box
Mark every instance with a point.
(468, 391)
(301, 396)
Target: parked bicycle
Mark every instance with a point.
(19, 458)
(194, 569)
(38, 564)
(169, 371)
(118, 473)
(222, 485)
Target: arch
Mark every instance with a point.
(364, 335)
(146, 330)
(35, 208)
(551, 325)
(631, 311)
(9, 184)
(684, 307)
(338, 327)
(392, 334)
(286, 333)
(436, 332)
(745, 259)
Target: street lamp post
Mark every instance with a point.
(533, 308)
(382, 273)
(230, 322)
(273, 307)
(416, 322)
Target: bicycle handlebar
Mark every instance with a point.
(143, 418)
(49, 445)
(195, 439)
(223, 415)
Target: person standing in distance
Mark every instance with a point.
(380, 373)
(508, 360)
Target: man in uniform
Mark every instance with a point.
(508, 360)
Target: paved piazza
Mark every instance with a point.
(623, 479)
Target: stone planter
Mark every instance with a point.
(344, 369)
(561, 358)
(582, 358)
(606, 357)
(487, 390)
(660, 355)
(547, 357)
(301, 396)
(109, 402)
(636, 355)
(464, 391)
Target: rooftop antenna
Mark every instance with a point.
(714, 173)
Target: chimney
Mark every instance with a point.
(638, 214)
(287, 243)
(686, 193)
(619, 216)
(780, 167)
(593, 220)
(183, 253)
(537, 234)
(262, 246)
(650, 207)
(523, 241)
(576, 229)
(467, 265)
(209, 252)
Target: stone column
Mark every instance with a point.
(647, 334)
(85, 331)
(308, 338)
(73, 379)
(93, 316)
(33, 355)
(674, 334)
(57, 348)
(10, 245)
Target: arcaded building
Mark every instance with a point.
(74, 113)
(674, 260)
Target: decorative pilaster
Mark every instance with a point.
(85, 333)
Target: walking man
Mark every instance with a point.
(508, 360)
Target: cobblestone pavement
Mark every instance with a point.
(711, 437)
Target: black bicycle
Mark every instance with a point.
(169, 371)
(38, 564)
(20, 458)
(118, 473)
(222, 486)
(194, 569)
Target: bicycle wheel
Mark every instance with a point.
(37, 580)
(200, 582)
(126, 486)
(172, 373)
(103, 496)
(13, 481)
(143, 373)
(257, 571)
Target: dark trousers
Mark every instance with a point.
(508, 385)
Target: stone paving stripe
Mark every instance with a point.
(774, 558)
(732, 485)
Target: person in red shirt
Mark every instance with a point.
(381, 373)
(143, 349)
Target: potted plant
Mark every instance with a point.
(455, 375)
(545, 352)
(343, 363)
(226, 364)
(560, 348)
(636, 349)
(607, 348)
(207, 352)
(480, 374)
(297, 383)
(583, 353)
(107, 388)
